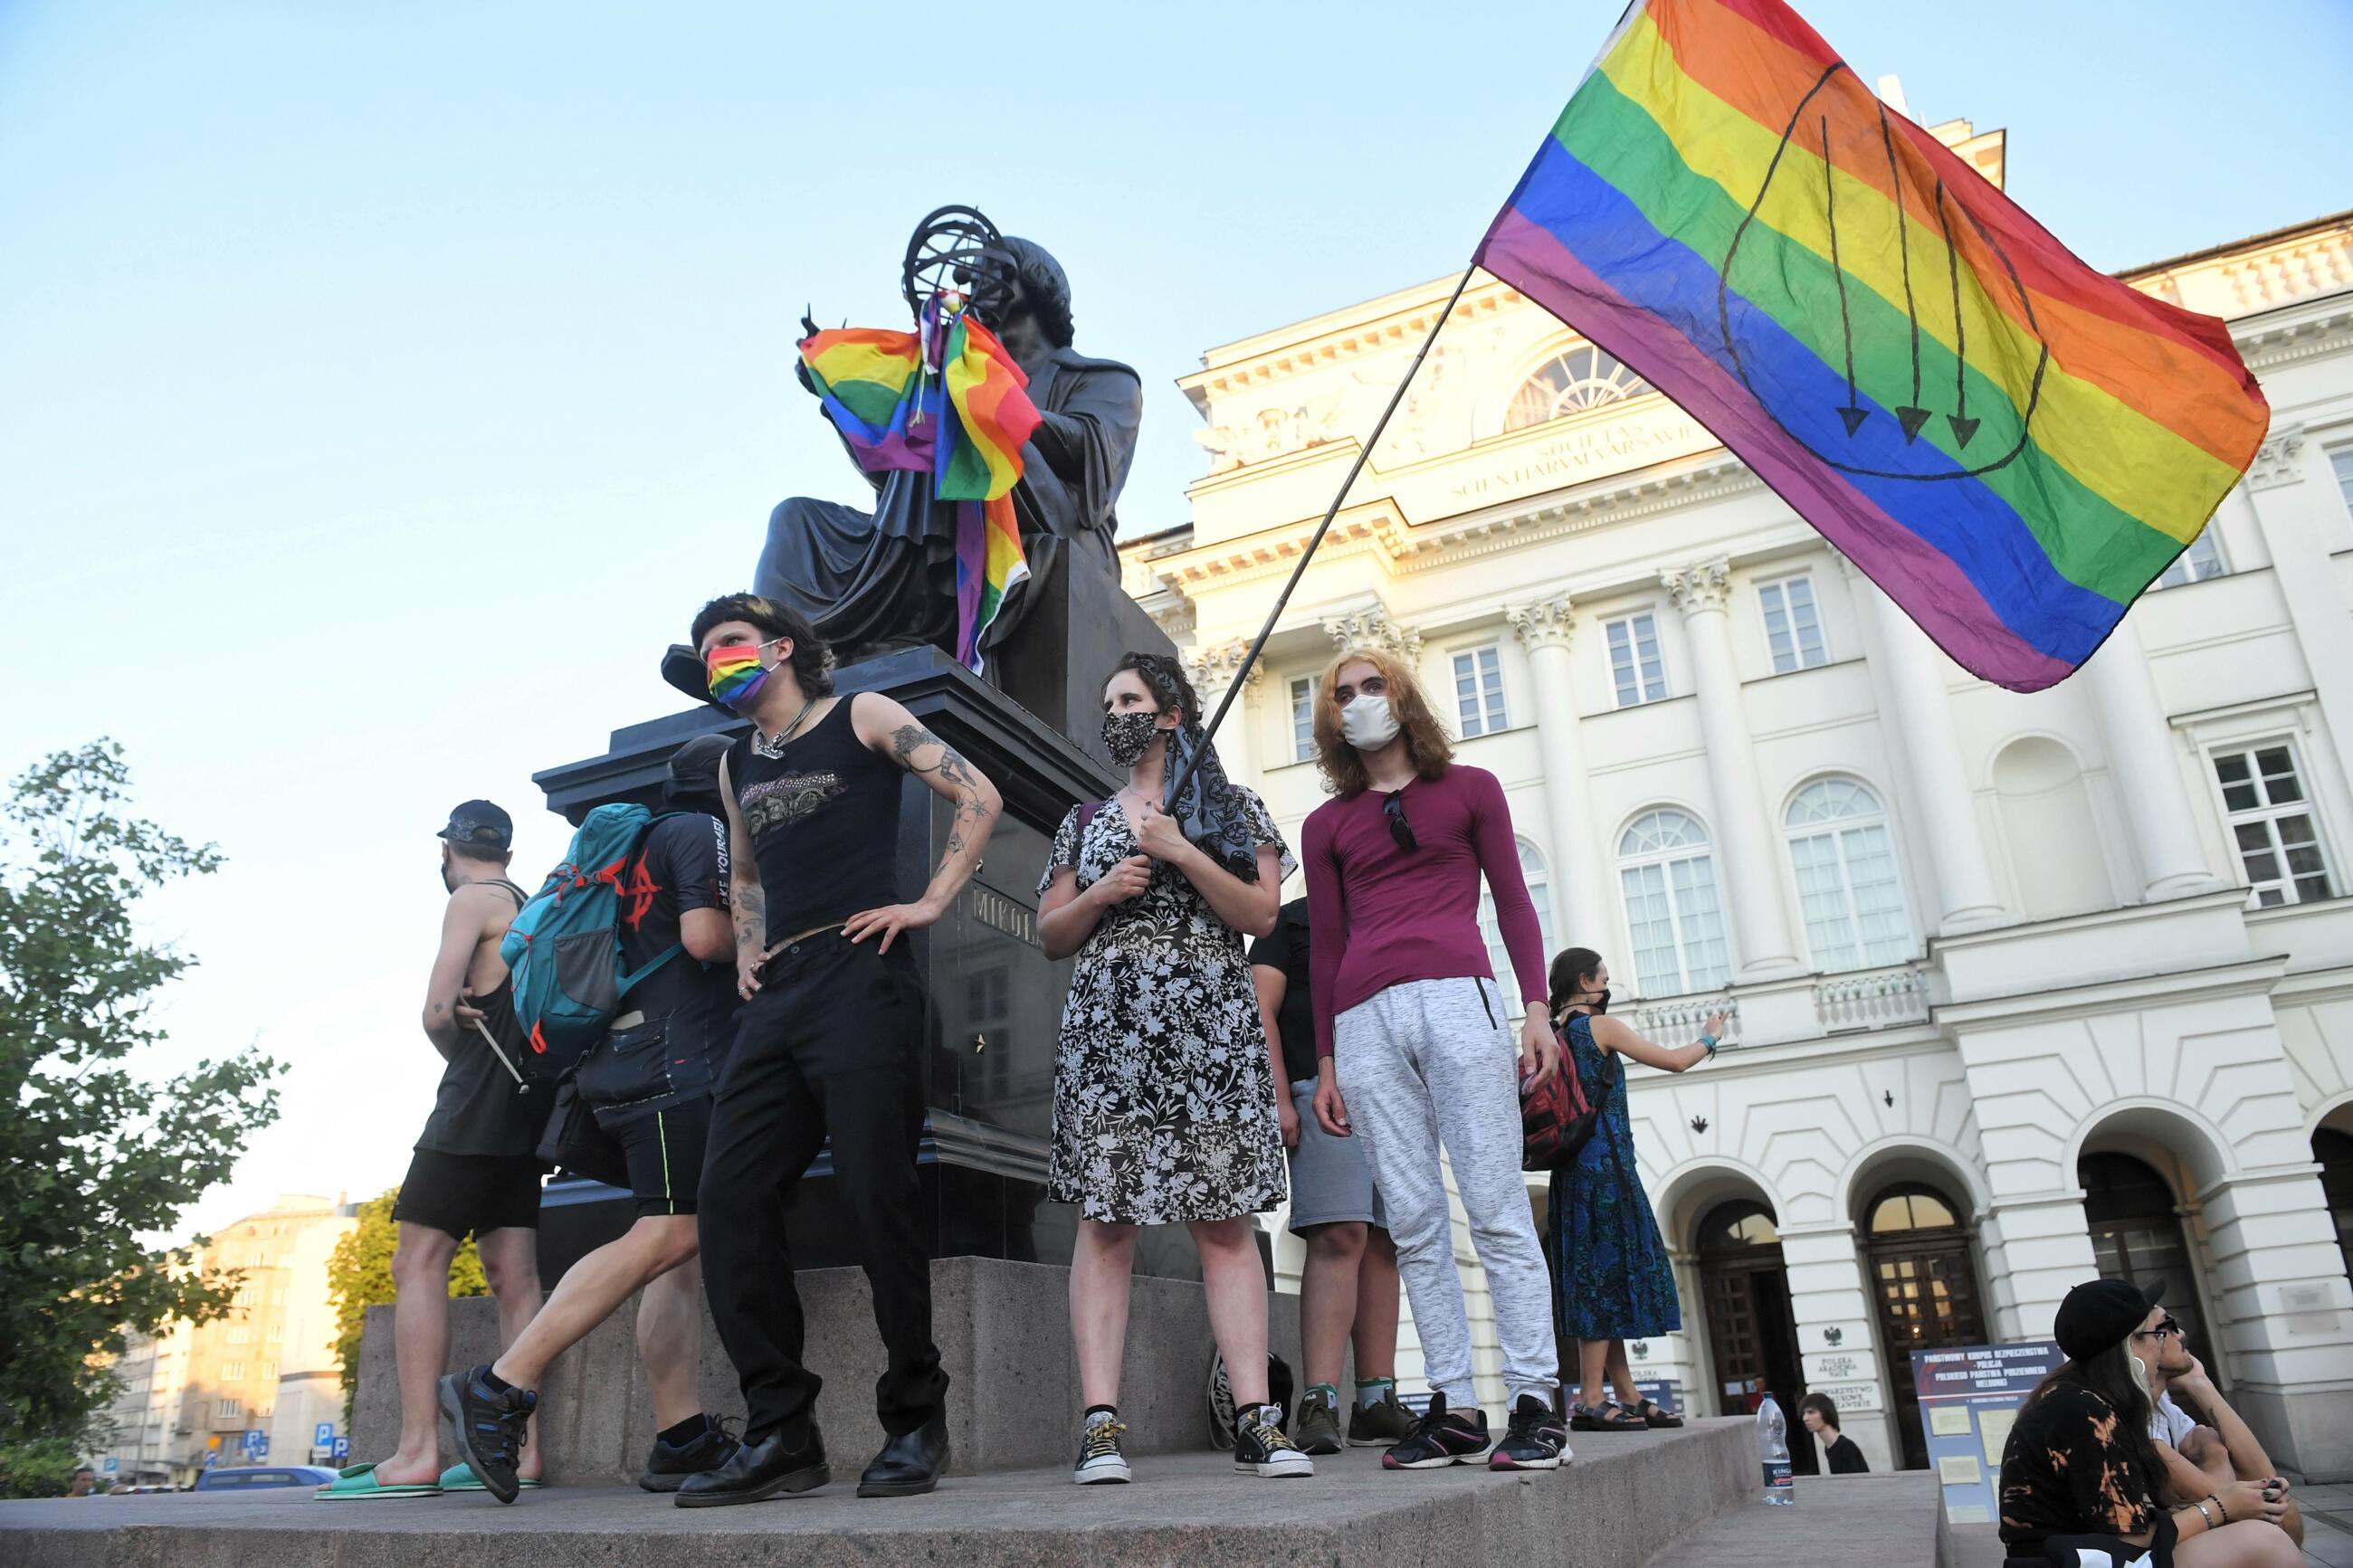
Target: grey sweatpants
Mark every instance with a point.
(1431, 1061)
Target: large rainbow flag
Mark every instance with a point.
(947, 401)
(2011, 444)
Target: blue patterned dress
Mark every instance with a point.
(1611, 1278)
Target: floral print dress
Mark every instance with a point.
(1164, 1097)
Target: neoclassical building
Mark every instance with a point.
(2028, 988)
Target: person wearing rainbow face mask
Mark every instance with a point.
(829, 1042)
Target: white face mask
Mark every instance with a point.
(1368, 724)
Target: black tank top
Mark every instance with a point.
(823, 813)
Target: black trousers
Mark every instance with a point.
(832, 1045)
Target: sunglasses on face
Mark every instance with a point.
(2165, 1328)
(1393, 807)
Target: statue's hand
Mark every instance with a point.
(808, 324)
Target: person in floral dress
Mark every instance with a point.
(1164, 1097)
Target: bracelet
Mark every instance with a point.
(2204, 1514)
(1707, 1042)
(2218, 1506)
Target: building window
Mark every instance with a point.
(2202, 560)
(1673, 913)
(1634, 661)
(277, 1296)
(1479, 690)
(276, 1332)
(1844, 859)
(228, 1409)
(232, 1371)
(1793, 630)
(2271, 824)
(2340, 462)
(238, 1333)
(268, 1373)
(1583, 378)
(1303, 719)
(1531, 868)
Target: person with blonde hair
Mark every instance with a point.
(1414, 1042)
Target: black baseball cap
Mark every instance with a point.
(694, 773)
(478, 825)
(2101, 1313)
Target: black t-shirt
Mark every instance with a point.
(681, 867)
(1285, 948)
(2064, 1473)
(1846, 1459)
(479, 1108)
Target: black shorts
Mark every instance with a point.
(663, 1149)
(469, 1193)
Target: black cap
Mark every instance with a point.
(478, 825)
(2102, 1313)
(695, 773)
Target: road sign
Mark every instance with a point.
(112, 1465)
(323, 1435)
(342, 1448)
(257, 1443)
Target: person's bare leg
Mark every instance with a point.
(1236, 1282)
(2242, 1544)
(1377, 1306)
(420, 1348)
(511, 1267)
(1621, 1376)
(1593, 1356)
(592, 1289)
(1102, 1267)
(669, 1339)
(1328, 1290)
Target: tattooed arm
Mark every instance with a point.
(746, 900)
(887, 727)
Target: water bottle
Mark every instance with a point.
(1773, 1443)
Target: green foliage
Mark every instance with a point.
(92, 1155)
(39, 1466)
(359, 1276)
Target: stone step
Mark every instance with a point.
(1840, 1521)
(1626, 1498)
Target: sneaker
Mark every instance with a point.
(1100, 1460)
(667, 1466)
(1440, 1439)
(1260, 1444)
(488, 1426)
(1554, 1429)
(1379, 1425)
(1316, 1428)
(1527, 1444)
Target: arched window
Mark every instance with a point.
(1926, 1282)
(1583, 378)
(1845, 864)
(1531, 867)
(1671, 911)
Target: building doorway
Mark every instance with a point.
(1925, 1281)
(2136, 1235)
(2334, 1152)
(1752, 1333)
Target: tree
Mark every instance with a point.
(359, 1276)
(93, 1156)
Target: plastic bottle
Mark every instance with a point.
(1773, 1443)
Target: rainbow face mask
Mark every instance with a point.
(737, 674)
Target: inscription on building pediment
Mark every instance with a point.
(1589, 452)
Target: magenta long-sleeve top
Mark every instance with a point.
(1385, 916)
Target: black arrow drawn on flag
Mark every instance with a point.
(1911, 415)
(1963, 426)
(1853, 412)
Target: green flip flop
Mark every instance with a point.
(460, 1477)
(357, 1483)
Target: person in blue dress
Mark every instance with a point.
(1611, 1278)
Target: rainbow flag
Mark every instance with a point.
(947, 401)
(2012, 445)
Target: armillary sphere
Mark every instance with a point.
(947, 250)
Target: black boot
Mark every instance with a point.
(910, 1464)
(758, 1471)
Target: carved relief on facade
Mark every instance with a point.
(2279, 462)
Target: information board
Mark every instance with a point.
(1969, 1399)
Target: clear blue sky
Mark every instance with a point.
(381, 387)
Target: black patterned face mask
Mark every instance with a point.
(1128, 735)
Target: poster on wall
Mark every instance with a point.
(1969, 1399)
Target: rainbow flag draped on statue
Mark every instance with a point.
(2010, 443)
(950, 402)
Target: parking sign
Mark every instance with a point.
(343, 1448)
(323, 1435)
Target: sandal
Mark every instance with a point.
(1653, 1415)
(1609, 1418)
(357, 1483)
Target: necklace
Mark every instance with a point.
(764, 747)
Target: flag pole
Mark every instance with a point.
(1363, 453)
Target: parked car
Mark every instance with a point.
(251, 1476)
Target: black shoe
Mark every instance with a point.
(1100, 1461)
(758, 1471)
(488, 1427)
(1528, 1442)
(1261, 1450)
(667, 1468)
(910, 1464)
(1440, 1439)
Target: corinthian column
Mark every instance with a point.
(1212, 671)
(1580, 906)
(1751, 869)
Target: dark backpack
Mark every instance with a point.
(1559, 1119)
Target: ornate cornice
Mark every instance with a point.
(2279, 462)
(2272, 347)
(1702, 585)
(1212, 668)
(1373, 629)
(1548, 623)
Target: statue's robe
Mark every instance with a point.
(886, 578)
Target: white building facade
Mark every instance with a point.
(2028, 988)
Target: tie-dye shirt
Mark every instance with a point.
(2064, 1472)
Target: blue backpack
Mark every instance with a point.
(563, 949)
